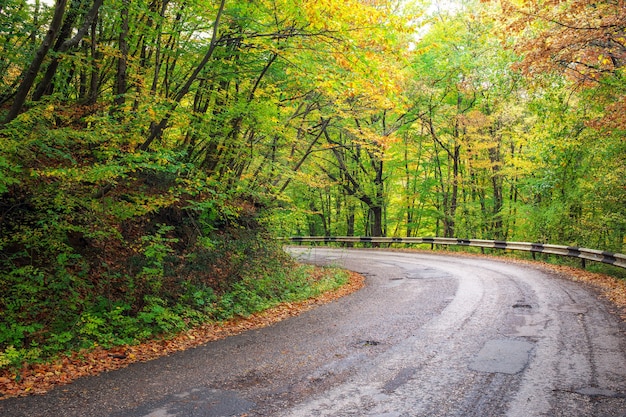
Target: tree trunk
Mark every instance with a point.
(451, 217)
(94, 77)
(376, 223)
(63, 44)
(45, 85)
(121, 80)
(31, 73)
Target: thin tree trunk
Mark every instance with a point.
(45, 85)
(306, 154)
(31, 73)
(121, 81)
(63, 44)
(455, 192)
(157, 130)
(158, 54)
(94, 77)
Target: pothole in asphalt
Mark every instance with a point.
(522, 305)
(366, 343)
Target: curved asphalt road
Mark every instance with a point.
(430, 335)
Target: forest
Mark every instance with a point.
(153, 150)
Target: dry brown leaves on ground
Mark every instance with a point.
(611, 288)
(40, 378)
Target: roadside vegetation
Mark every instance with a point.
(157, 290)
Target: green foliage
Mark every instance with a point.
(157, 318)
(259, 291)
(159, 292)
(12, 357)
(8, 175)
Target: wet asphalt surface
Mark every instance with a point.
(429, 335)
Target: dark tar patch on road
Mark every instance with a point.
(199, 402)
(503, 356)
(599, 392)
(573, 308)
(404, 376)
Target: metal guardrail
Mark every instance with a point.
(616, 259)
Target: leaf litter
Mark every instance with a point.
(41, 378)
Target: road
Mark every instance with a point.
(429, 335)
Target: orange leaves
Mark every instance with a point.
(611, 288)
(342, 60)
(474, 120)
(578, 38)
(613, 118)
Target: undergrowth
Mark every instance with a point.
(102, 244)
(169, 301)
(166, 249)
